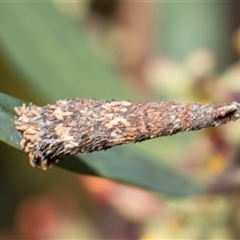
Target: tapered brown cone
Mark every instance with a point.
(84, 125)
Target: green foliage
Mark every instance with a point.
(8, 133)
(54, 59)
(124, 164)
(53, 54)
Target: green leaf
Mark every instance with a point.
(54, 58)
(8, 133)
(121, 163)
(53, 53)
(124, 164)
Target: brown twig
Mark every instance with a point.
(84, 125)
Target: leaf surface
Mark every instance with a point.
(8, 133)
(56, 62)
(123, 163)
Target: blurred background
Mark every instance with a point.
(145, 50)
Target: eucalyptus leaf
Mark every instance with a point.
(8, 133)
(122, 164)
(127, 165)
(53, 54)
(54, 59)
